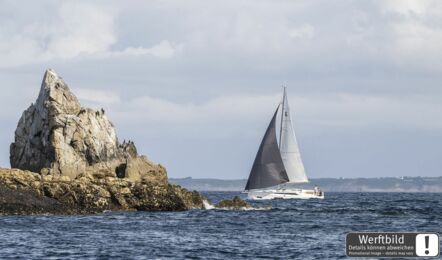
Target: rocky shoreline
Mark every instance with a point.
(28, 193)
(67, 159)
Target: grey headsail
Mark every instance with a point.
(268, 169)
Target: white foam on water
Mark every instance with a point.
(207, 205)
(258, 208)
(245, 208)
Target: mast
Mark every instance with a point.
(282, 115)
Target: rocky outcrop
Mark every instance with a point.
(235, 203)
(69, 160)
(24, 193)
(57, 136)
(238, 204)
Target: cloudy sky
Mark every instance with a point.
(194, 83)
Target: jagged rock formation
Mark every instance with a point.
(58, 136)
(69, 160)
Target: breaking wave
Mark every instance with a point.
(207, 205)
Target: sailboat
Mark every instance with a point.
(278, 164)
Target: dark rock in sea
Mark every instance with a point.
(235, 203)
(24, 192)
(69, 161)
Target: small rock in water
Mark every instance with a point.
(235, 203)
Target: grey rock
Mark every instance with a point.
(57, 136)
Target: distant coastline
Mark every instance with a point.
(385, 184)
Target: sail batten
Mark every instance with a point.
(268, 168)
(288, 147)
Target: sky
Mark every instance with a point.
(195, 83)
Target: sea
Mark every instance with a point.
(291, 229)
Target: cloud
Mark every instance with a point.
(394, 33)
(213, 110)
(258, 28)
(164, 49)
(367, 111)
(407, 7)
(413, 33)
(97, 97)
(305, 31)
(217, 118)
(174, 74)
(229, 115)
(72, 29)
(81, 29)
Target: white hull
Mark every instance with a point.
(284, 194)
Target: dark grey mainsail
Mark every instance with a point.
(268, 169)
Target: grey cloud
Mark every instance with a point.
(191, 80)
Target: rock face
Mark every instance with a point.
(24, 193)
(56, 136)
(69, 160)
